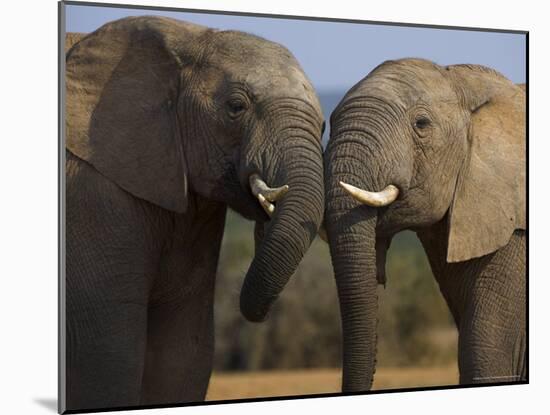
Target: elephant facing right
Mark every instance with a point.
(440, 151)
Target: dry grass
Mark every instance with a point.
(302, 382)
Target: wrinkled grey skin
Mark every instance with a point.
(166, 121)
(452, 140)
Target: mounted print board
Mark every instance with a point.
(258, 207)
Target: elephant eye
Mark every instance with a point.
(422, 126)
(236, 107)
(422, 123)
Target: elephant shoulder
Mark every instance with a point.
(93, 200)
(85, 183)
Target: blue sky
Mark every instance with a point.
(337, 55)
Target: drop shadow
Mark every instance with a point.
(48, 403)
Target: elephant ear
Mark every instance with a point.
(72, 38)
(122, 84)
(489, 201)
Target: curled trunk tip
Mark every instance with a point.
(288, 234)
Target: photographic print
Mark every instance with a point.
(277, 206)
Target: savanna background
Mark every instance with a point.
(298, 349)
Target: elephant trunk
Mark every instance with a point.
(292, 228)
(351, 234)
(351, 231)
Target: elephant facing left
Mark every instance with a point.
(167, 124)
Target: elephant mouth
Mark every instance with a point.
(229, 191)
(247, 206)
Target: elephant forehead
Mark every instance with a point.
(291, 82)
(267, 68)
(405, 87)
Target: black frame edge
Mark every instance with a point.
(61, 327)
(290, 17)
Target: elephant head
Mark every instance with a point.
(413, 144)
(170, 110)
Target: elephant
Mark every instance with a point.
(439, 151)
(168, 124)
(71, 38)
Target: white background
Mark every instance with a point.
(28, 208)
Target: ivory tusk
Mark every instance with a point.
(268, 207)
(258, 186)
(266, 194)
(374, 199)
